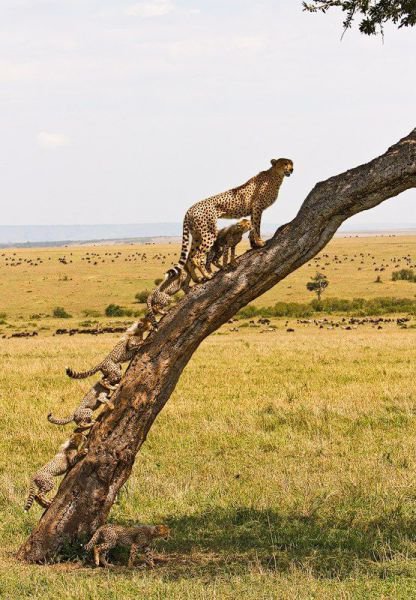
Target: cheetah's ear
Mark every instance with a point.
(273, 161)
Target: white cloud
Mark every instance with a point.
(52, 140)
(151, 8)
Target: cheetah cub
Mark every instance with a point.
(42, 481)
(138, 537)
(122, 352)
(83, 415)
(227, 240)
(161, 297)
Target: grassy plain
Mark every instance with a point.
(284, 462)
(81, 285)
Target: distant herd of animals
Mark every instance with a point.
(208, 247)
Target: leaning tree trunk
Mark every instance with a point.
(88, 491)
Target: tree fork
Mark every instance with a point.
(88, 491)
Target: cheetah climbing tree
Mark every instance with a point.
(87, 493)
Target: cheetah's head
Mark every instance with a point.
(162, 531)
(244, 225)
(283, 164)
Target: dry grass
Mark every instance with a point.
(296, 476)
(284, 464)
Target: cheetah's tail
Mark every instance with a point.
(176, 270)
(81, 374)
(63, 421)
(31, 497)
(88, 547)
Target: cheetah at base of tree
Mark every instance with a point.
(161, 297)
(83, 415)
(122, 352)
(249, 199)
(138, 537)
(42, 481)
(227, 240)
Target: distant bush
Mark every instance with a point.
(290, 309)
(158, 281)
(89, 312)
(330, 305)
(359, 307)
(141, 297)
(380, 306)
(60, 313)
(404, 274)
(248, 312)
(280, 309)
(3, 315)
(114, 310)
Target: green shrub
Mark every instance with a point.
(330, 305)
(158, 281)
(280, 309)
(358, 307)
(60, 313)
(404, 275)
(141, 297)
(248, 312)
(3, 315)
(290, 309)
(115, 310)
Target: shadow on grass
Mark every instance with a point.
(220, 542)
(232, 541)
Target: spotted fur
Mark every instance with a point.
(227, 240)
(138, 537)
(83, 415)
(42, 481)
(249, 199)
(122, 352)
(161, 297)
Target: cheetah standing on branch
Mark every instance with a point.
(249, 199)
(138, 537)
(42, 481)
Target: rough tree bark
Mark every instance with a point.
(88, 491)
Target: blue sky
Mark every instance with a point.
(122, 111)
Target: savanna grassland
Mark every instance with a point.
(284, 462)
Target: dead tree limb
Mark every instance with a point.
(87, 493)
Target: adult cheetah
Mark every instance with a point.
(249, 199)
